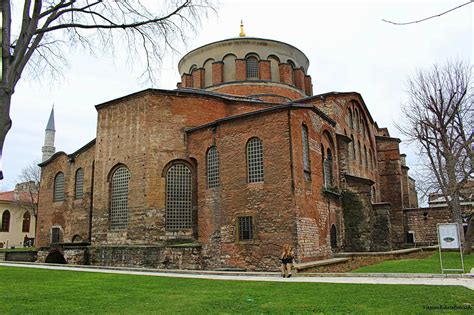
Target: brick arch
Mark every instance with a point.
(114, 168)
(274, 57)
(189, 221)
(207, 65)
(253, 54)
(228, 69)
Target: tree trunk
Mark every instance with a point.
(5, 121)
(469, 235)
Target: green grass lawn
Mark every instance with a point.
(39, 291)
(451, 260)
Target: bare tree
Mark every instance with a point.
(439, 116)
(429, 17)
(28, 182)
(35, 33)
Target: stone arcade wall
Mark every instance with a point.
(159, 257)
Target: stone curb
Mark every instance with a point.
(254, 273)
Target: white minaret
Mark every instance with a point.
(48, 148)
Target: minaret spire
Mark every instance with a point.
(50, 131)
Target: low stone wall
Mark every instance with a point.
(24, 255)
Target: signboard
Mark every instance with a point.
(448, 236)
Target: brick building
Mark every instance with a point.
(240, 159)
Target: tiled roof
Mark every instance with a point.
(20, 196)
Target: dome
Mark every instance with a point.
(254, 67)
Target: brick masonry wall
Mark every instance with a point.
(316, 210)
(259, 89)
(70, 215)
(270, 203)
(390, 174)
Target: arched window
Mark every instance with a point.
(306, 161)
(59, 187)
(26, 222)
(365, 157)
(5, 221)
(119, 198)
(79, 187)
(55, 235)
(333, 237)
(351, 119)
(327, 169)
(274, 68)
(359, 148)
(255, 160)
(354, 154)
(212, 168)
(252, 67)
(178, 197)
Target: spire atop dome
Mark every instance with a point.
(50, 125)
(242, 33)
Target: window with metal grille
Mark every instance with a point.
(252, 68)
(327, 170)
(178, 197)
(245, 228)
(79, 184)
(255, 160)
(26, 223)
(55, 235)
(5, 221)
(306, 161)
(119, 199)
(212, 168)
(59, 187)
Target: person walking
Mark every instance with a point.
(286, 257)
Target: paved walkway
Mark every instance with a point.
(407, 279)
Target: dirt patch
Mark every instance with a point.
(356, 262)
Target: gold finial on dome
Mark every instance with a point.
(242, 33)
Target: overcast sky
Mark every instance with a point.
(348, 46)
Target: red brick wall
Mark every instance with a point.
(240, 70)
(299, 79)
(264, 70)
(316, 210)
(270, 203)
(286, 73)
(217, 72)
(260, 88)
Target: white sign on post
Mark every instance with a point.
(448, 236)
